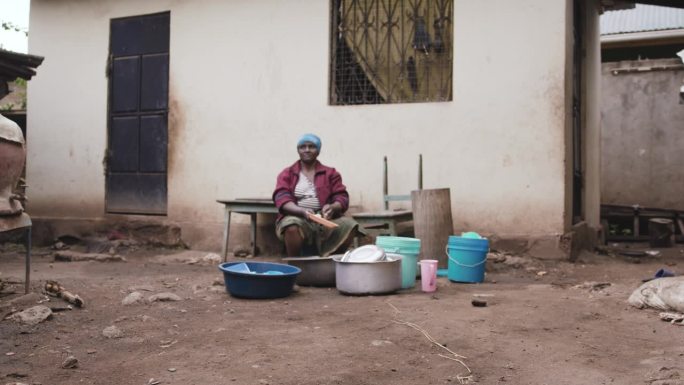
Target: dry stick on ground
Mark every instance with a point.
(453, 355)
(55, 289)
(393, 307)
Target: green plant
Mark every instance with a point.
(21, 83)
(9, 26)
(613, 229)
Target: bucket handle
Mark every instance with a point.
(446, 250)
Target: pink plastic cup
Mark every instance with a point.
(428, 275)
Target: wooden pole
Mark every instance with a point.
(420, 171)
(432, 222)
(385, 187)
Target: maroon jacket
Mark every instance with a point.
(327, 180)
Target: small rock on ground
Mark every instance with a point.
(33, 315)
(112, 332)
(19, 303)
(208, 259)
(211, 259)
(162, 297)
(133, 298)
(70, 362)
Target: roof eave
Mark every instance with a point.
(672, 36)
(663, 3)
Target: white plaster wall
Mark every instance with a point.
(248, 77)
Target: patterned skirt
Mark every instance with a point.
(325, 240)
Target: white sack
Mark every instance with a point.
(662, 293)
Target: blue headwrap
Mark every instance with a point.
(310, 138)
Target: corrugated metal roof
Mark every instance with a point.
(642, 18)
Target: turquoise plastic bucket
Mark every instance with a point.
(409, 249)
(467, 257)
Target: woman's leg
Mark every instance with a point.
(347, 242)
(293, 241)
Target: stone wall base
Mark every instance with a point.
(46, 231)
(198, 236)
(565, 247)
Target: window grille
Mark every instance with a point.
(391, 51)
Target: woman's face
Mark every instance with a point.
(308, 152)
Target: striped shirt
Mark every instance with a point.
(305, 193)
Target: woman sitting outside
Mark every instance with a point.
(308, 186)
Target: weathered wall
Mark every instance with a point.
(642, 138)
(247, 78)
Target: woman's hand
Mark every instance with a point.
(330, 211)
(305, 213)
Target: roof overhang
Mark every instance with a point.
(663, 3)
(16, 65)
(636, 39)
(615, 5)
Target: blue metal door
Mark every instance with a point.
(138, 115)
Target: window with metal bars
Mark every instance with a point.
(391, 51)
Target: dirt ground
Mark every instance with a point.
(544, 323)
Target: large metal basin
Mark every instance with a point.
(316, 271)
(363, 278)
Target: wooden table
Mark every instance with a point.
(250, 206)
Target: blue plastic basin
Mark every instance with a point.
(261, 281)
